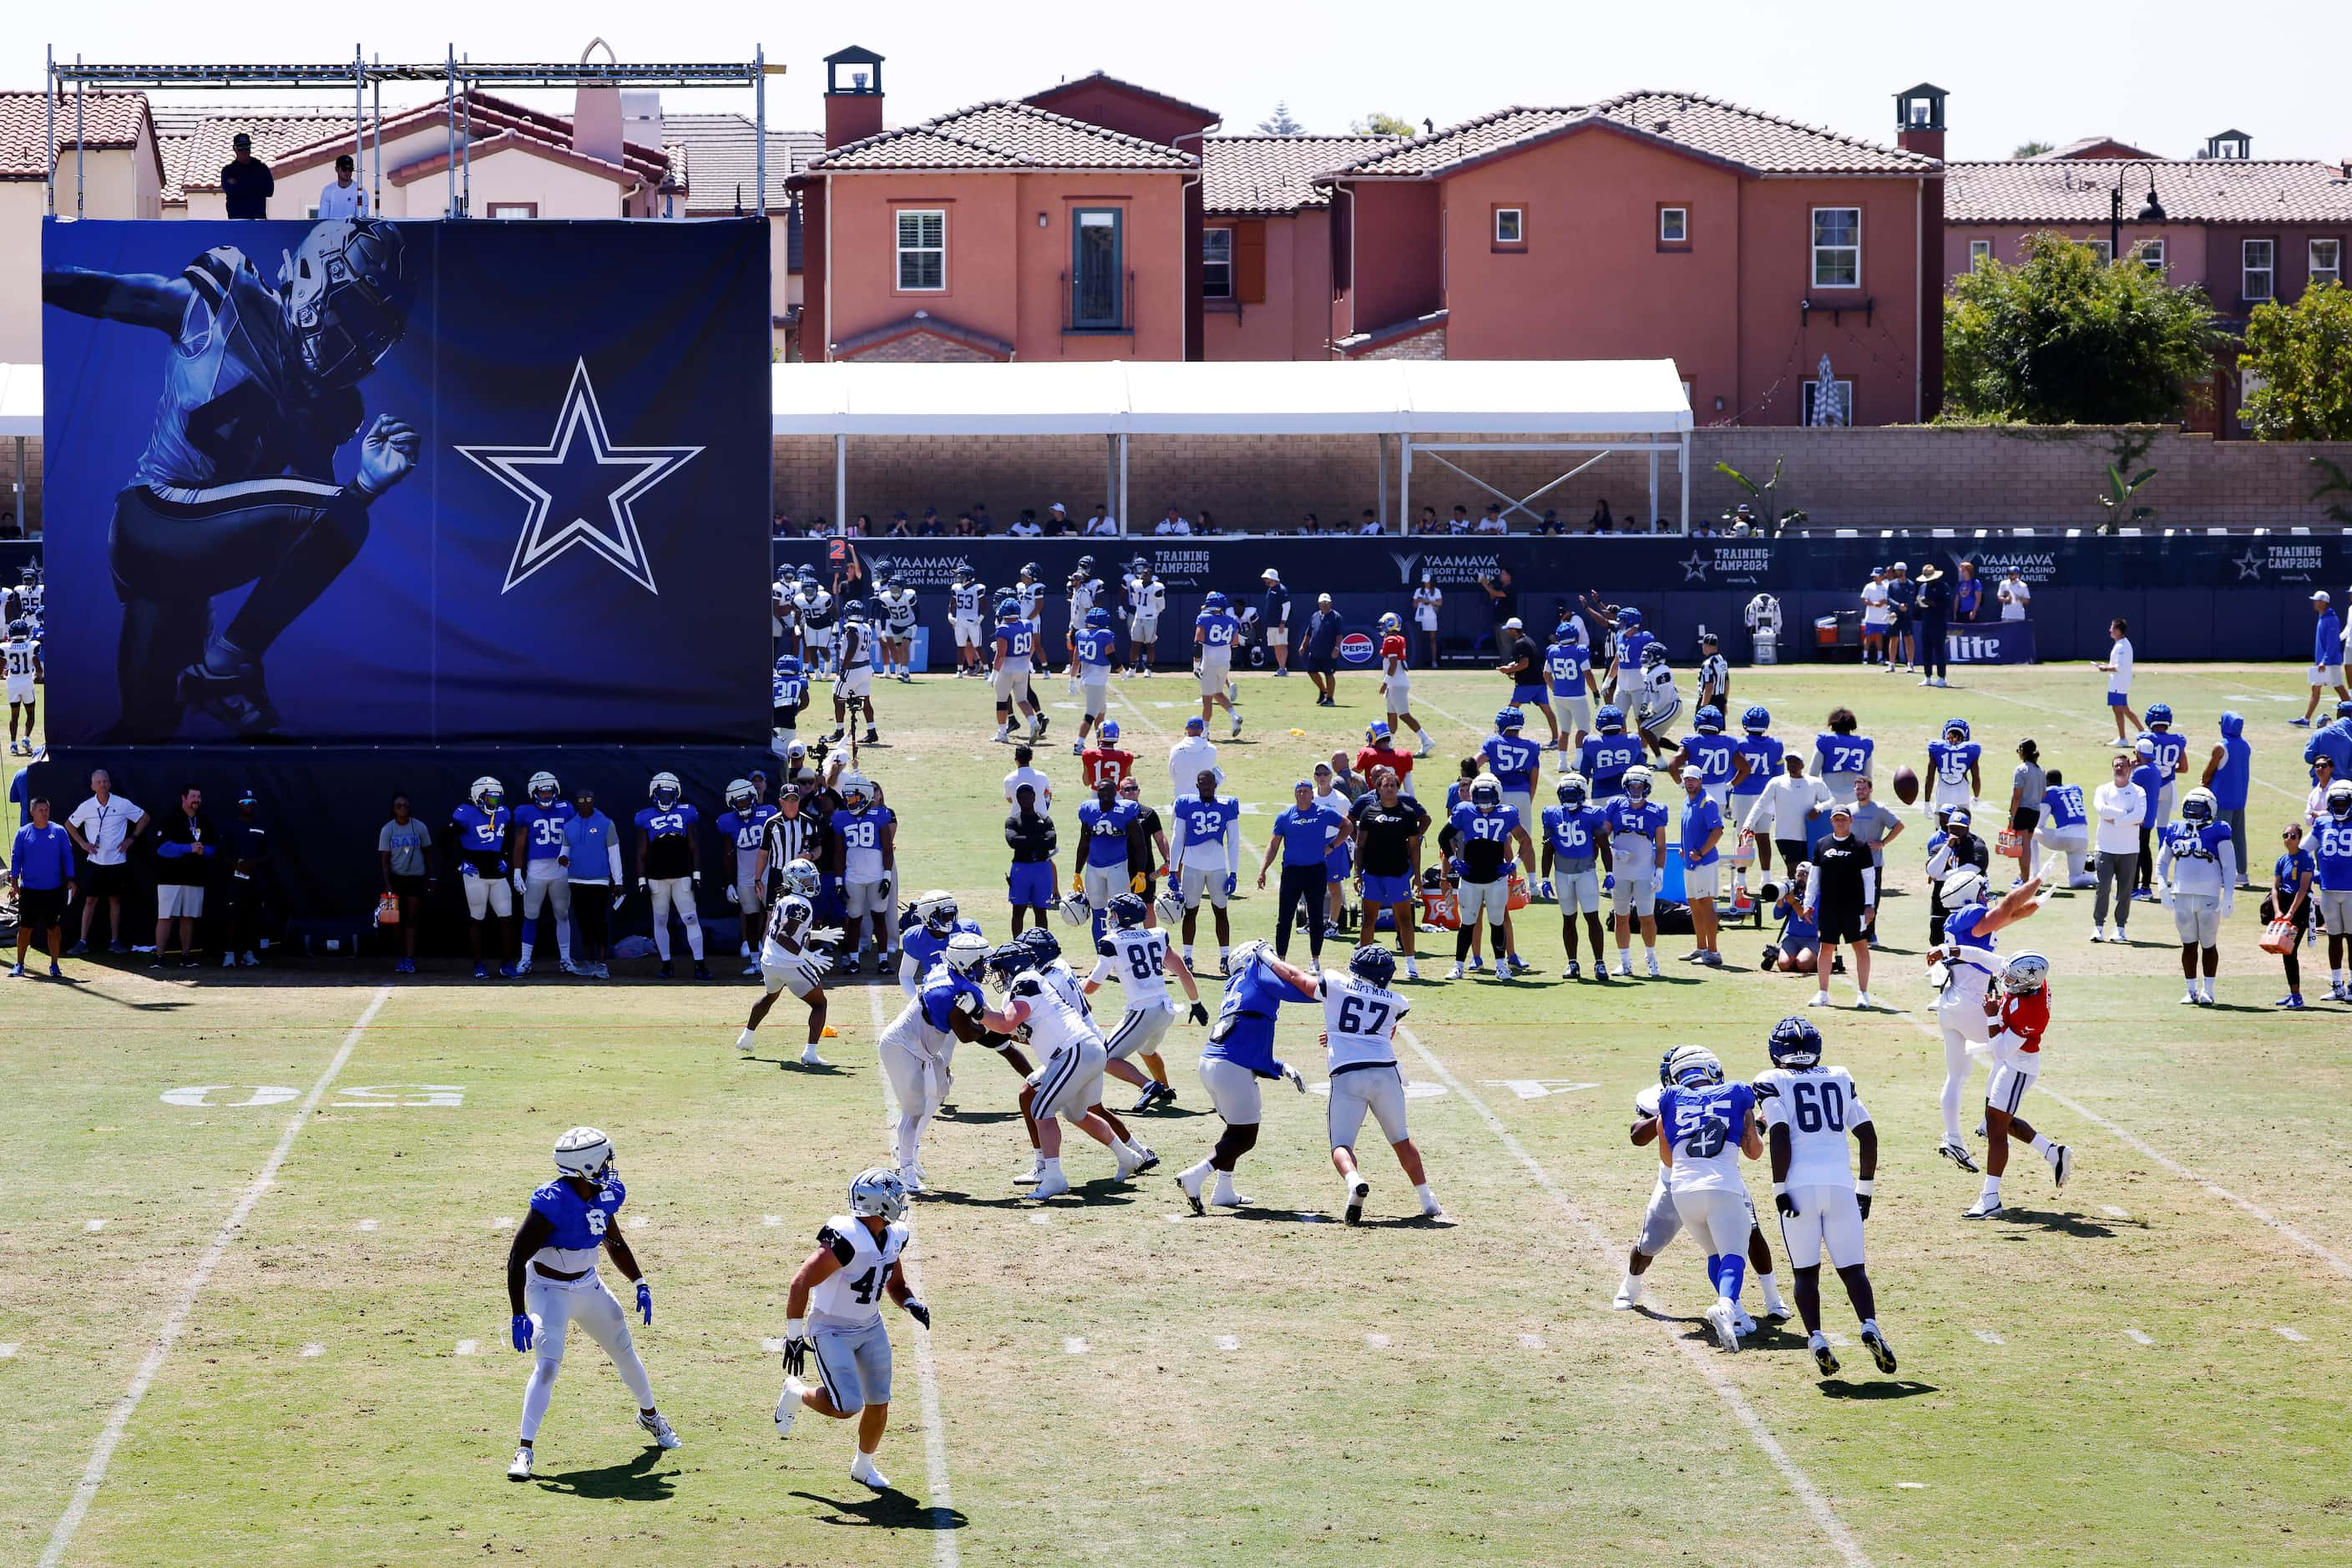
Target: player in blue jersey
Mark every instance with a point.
(2172, 762)
(1478, 843)
(917, 1049)
(1963, 965)
(477, 839)
(236, 484)
(1513, 761)
(1636, 826)
(1758, 764)
(1705, 1125)
(1716, 757)
(1662, 1221)
(1215, 630)
(788, 696)
(669, 864)
(1093, 646)
(1239, 1053)
(1955, 773)
(927, 923)
(1107, 824)
(1702, 837)
(1206, 861)
(1602, 758)
(1575, 858)
(2331, 856)
(1841, 757)
(1568, 669)
(541, 857)
(742, 833)
(2066, 826)
(862, 855)
(553, 1283)
(1013, 651)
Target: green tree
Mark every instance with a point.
(1379, 123)
(2301, 355)
(2062, 339)
(2032, 149)
(1279, 122)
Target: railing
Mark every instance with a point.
(1124, 321)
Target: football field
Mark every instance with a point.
(254, 1228)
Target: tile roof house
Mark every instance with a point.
(121, 177)
(1266, 243)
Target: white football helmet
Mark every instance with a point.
(1171, 905)
(1637, 782)
(1685, 1060)
(1962, 886)
(2199, 807)
(586, 1152)
(487, 793)
(929, 903)
(544, 789)
(965, 952)
(2340, 799)
(1076, 910)
(663, 790)
(1245, 952)
(877, 1192)
(800, 875)
(2024, 974)
(858, 791)
(741, 795)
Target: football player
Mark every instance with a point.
(918, 1048)
(897, 614)
(1954, 774)
(1636, 826)
(1661, 700)
(1239, 1052)
(789, 689)
(1396, 681)
(817, 612)
(853, 687)
(1716, 757)
(553, 1283)
(1214, 630)
(477, 835)
(1086, 591)
(237, 483)
(1966, 962)
(1604, 755)
(1146, 597)
(1841, 757)
(1092, 647)
(2197, 863)
(1140, 956)
(669, 863)
(1661, 1222)
(925, 926)
(22, 657)
(1207, 860)
(1809, 1110)
(1568, 666)
(792, 958)
(1104, 761)
(1478, 843)
(742, 833)
(864, 846)
(1109, 824)
(542, 857)
(2172, 762)
(1028, 591)
(2020, 1015)
(1515, 761)
(1068, 1086)
(1760, 764)
(834, 1310)
(1015, 641)
(1360, 1013)
(1704, 1126)
(966, 604)
(1575, 855)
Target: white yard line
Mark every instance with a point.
(1531, 1342)
(467, 1347)
(945, 1552)
(313, 1350)
(1703, 1358)
(93, 1475)
(1074, 1344)
(1988, 1336)
(2286, 1334)
(1377, 1342)
(1229, 1341)
(2137, 1338)
(92, 1226)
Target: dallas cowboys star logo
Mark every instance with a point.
(571, 486)
(2250, 564)
(1693, 569)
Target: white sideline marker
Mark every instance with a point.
(313, 1350)
(1229, 1342)
(367, 1225)
(2137, 1338)
(1531, 1342)
(92, 1226)
(503, 1222)
(1837, 1341)
(1378, 1342)
(2112, 1212)
(771, 1220)
(102, 1454)
(2286, 1334)
(8, 1351)
(467, 1347)
(1988, 1336)
(1911, 1485)
(1039, 1216)
(1074, 1344)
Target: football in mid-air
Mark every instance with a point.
(1907, 786)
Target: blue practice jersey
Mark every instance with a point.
(2064, 805)
(1628, 650)
(925, 949)
(1574, 836)
(1846, 755)
(744, 829)
(667, 837)
(541, 827)
(788, 690)
(1205, 822)
(2169, 745)
(1964, 930)
(1763, 753)
(1095, 646)
(945, 993)
(1253, 993)
(1950, 761)
(1714, 756)
(1218, 630)
(1106, 830)
(1701, 1126)
(1513, 759)
(1016, 639)
(580, 1222)
(481, 840)
(1603, 759)
(1565, 664)
(2331, 851)
(2286, 872)
(1700, 817)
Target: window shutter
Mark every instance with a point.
(1249, 263)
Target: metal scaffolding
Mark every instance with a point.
(365, 79)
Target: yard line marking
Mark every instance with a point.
(1911, 1485)
(9, 1350)
(91, 1227)
(1988, 1336)
(2112, 1212)
(1815, 1504)
(1074, 1344)
(501, 1223)
(367, 1225)
(2137, 1338)
(1531, 1342)
(2286, 1334)
(93, 1475)
(313, 1350)
(771, 1220)
(945, 1552)
(1378, 1342)
(1039, 1216)
(1837, 1341)
(1228, 1343)
(467, 1347)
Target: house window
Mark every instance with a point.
(2326, 261)
(923, 250)
(1216, 264)
(1510, 225)
(2151, 254)
(2257, 263)
(1817, 413)
(1979, 250)
(1837, 248)
(1097, 252)
(514, 209)
(1674, 226)
(2102, 249)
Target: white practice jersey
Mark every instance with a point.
(1138, 956)
(1659, 694)
(1819, 1106)
(816, 602)
(1149, 598)
(1028, 595)
(1084, 596)
(966, 600)
(19, 654)
(1054, 1024)
(1065, 982)
(789, 919)
(898, 610)
(851, 1296)
(1360, 1021)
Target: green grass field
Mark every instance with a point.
(2149, 1368)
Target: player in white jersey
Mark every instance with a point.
(816, 614)
(1147, 598)
(833, 1311)
(1086, 591)
(792, 959)
(1661, 700)
(967, 621)
(1808, 1110)
(897, 617)
(1963, 966)
(1070, 1085)
(1360, 1013)
(22, 654)
(1704, 1126)
(1661, 1222)
(1142, 958)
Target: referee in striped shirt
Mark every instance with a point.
(790, 837)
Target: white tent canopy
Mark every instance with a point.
(20, 400)
(1639, 403)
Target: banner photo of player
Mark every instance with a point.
(359, 480)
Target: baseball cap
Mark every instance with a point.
(2146, 748)
(1322, 598)
(240, 139)
(1515, 624)
(1956, 817)
(1303, 784)
(246, 797)
(1843, 809)
(1057, 505)
(1195, 724)
(2319, 597)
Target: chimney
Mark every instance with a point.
(596, 112)
(853, 96)
(1920, 120)
(2234, 145)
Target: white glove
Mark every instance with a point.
(1290, 1076)
(518, 881)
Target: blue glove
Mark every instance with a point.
(1233, 883)
(1609, 882)
(646, 1302)
(523, 1330)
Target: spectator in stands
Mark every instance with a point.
(1551, 522)
(248, 859)
(783, 528)
(1601, 521)
(1492, 521)
(1371, 524)
(40, 870)
(1207, 524)
(1427, 521)
(400, 849)
(185, 844)
(930, 524)
(244, 180)
(1026, 526)
(103, 828)
(1308, 525)
(900, 527)
(1102, 525)
(1057, 521)
(980, 521)
(342, 196)
(1322, 652)
(2014, 595)
(1172, 522)
(1967, 593)
(1459, 523)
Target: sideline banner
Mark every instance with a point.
(1991, 642)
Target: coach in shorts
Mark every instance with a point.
(103, 828)
(185, 845)
(40, 869)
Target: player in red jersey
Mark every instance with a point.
(1103, 762)
(1380, 751)
(1396, 681)
(2018, 1009)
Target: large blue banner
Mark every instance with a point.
(435, 482)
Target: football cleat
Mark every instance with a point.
(863, 1471)
(1628, 1292)
(788, 1405)
(1358, 1190)
(519, 1469)
(1723, 1319)
(1958, 1154)
(2062, 1165)
(1053, 1185)
(656, 1423)
(1874, 1339)
(1191, 1186)
(1824, 1357)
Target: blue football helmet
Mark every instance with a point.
(1628, 619)
(1107, 732)
(2344, 710)
(1573, 791)
(1795, 1043)
(854, 611)
(1008, 609)
(1959, 726)
(788, 664)
(1509, 719)
(1042, 946)
(1127, 909)
(1099, 616)
(1611, 720)
(1653, 654)
(1709, 719)
(1565, 632)
(2158, 713)
(1005, 960)
(1216, 600)
(1374, 963)
(1756, 720)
